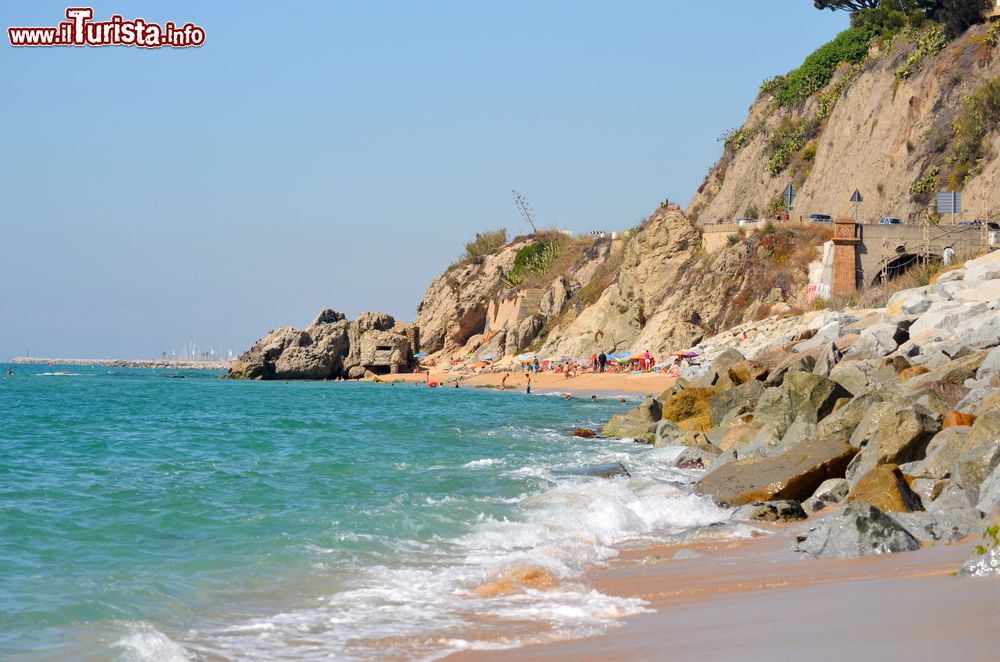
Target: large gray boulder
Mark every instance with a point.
(794, 474)
(877, 341)
(718, 371)
(728, 403)
(803, 398)
(990, 365)
(857, 530)
(980, 454)
(942, 453)
(989, 492)
(901, 436)
(829, 492)
(986, 268)
(638, 423)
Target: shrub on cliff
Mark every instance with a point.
(485, 243)
(979, 116)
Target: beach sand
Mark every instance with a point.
(750, 600)
(584, 384)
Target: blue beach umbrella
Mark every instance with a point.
(420, 355)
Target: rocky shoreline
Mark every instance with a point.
(893, 413)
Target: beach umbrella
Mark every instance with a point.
(624, 356)
(421, 355)
(491, 355)
(583, 361)
(685, 354)
(526, 357)
(480, 364)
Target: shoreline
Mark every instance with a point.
(748, 598)
(124, 363)
(585, 384)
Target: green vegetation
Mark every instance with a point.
(979, 115)
(954, 16)
(532, 260)
(924, 188)
(928, 43)
(991, 539)
(736, 139)
(485, 243)
(850, 46)
(732, 239)
(787, 140)
(992, 36)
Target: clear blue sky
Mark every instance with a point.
(339, 154)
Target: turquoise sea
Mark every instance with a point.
(161, 515)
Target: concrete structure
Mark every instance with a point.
(716, 235)
(865, 254)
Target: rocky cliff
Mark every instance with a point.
(330, 348)
(904, 116)
(654, 288)
(915, 115)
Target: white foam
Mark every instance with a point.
(485, 462)
(145, 643)
(423, 601)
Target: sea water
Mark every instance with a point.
(163, 515)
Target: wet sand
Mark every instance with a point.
(584, 384)
(750, 600)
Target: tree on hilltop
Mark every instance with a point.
(849, 5)
(955, 16)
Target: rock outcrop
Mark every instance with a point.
(330, 348)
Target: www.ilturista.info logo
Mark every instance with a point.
(80, 30)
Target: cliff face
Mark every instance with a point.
(886, 126)
(915, 115)
(653, 289)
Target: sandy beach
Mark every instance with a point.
(583, 384)
(750, 600)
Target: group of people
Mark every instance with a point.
(600, 363)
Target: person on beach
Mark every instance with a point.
(646, 359)
(602, 362)
(535, 365)
(593, 398)
(527, 388)
(503, 381)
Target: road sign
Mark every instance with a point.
(857, 199)
(949, 202)
(789, 196)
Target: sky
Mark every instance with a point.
(339, 154)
